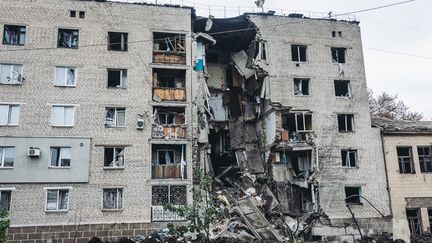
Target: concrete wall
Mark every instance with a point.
(40, 55)
(407, 190)
(280, 33)
(37, 170)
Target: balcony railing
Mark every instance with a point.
(169, 57)
(171, 131)
(159, 213)
(170, 94)
(173, 171)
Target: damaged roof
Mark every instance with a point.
(390, 126)
(140, 3)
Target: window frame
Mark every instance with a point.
(20, 33)
(173, 162)
(124, 41)
(58, 189)
(66, 76)
(298, 48)
(123, 78)
(118, 189)
(17, 81)
(359, 202)
(115, 119)
(348, 82)
(9, 113)
(58, 162)
(2, 157)
(422, 163)
(346, 123)
(300, 81)
(174, 217)
(410, 157)
(73, 32)
(64, 116)
(10, 190)
(411, 223)
(303, 114)
(114, 166)
(336, 50)
(348, 158)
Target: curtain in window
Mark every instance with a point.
(65, 155)
(9, 157)
(121, 117)
(119, 156)
(4, 114)
(5, 199)
(64, 198)
(70, 76)
(52, 200)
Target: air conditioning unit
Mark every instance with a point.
(34, 152)
(140, 124)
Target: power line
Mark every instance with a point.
(376, 8)
(398, 53)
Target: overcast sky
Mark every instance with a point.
(403, 28)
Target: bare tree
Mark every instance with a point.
(390, 106)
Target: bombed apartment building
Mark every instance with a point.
(288, 122)
(96, 120)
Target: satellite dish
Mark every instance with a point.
(259, 3)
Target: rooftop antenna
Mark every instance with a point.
(260, 4)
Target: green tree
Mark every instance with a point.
(4, 225)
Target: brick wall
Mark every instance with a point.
(80, 233)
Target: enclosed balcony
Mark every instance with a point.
(169, 85)
(169, 123)
(169, 161)
(169, 48)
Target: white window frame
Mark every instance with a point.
(2, 157)
(11, 190)
(10, 112)
(114, 166)
(304, 122)
(64, 116)
(64, 83)
(348, 158)
(58, 189)
(346, 120)
(13, 80)
(123, 78)
(299, 92)
(298, 46)
(337, 55)
(58, 162)
(117, 199)
(114, 123)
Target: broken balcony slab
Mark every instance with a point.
(240, 59)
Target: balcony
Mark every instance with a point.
(170, 131)
(169, 85)
(169, 161)
(169, 48)
(169, 123)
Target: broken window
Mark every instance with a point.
(301, 86)
(72, 13)
(63, 116)
(115, 117)
(112, 199)
(5, 199)
(117, 41)
(9, 115)
(164, 195)
(169, 123)
(81, 14)
(11, 73)
(349, 158)
(169, 85)
(67, 38)
(333, 33)
(297, 122)
(425, 159)
(114, 157)
(261, 50)
(414, 221)
(339, 33)
(57, 200)
(298, 53)
(14, 35)
(430, 218)
(338, 55)
(60, 156)
(117, 78)
(169, 42)
(169, 161)
(65, 76)
(405, 158)
(346, 122)
(342, 88)
(7, 157)
(352, 195)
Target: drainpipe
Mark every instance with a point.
(386, 172)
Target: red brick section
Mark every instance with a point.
(78, 233)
